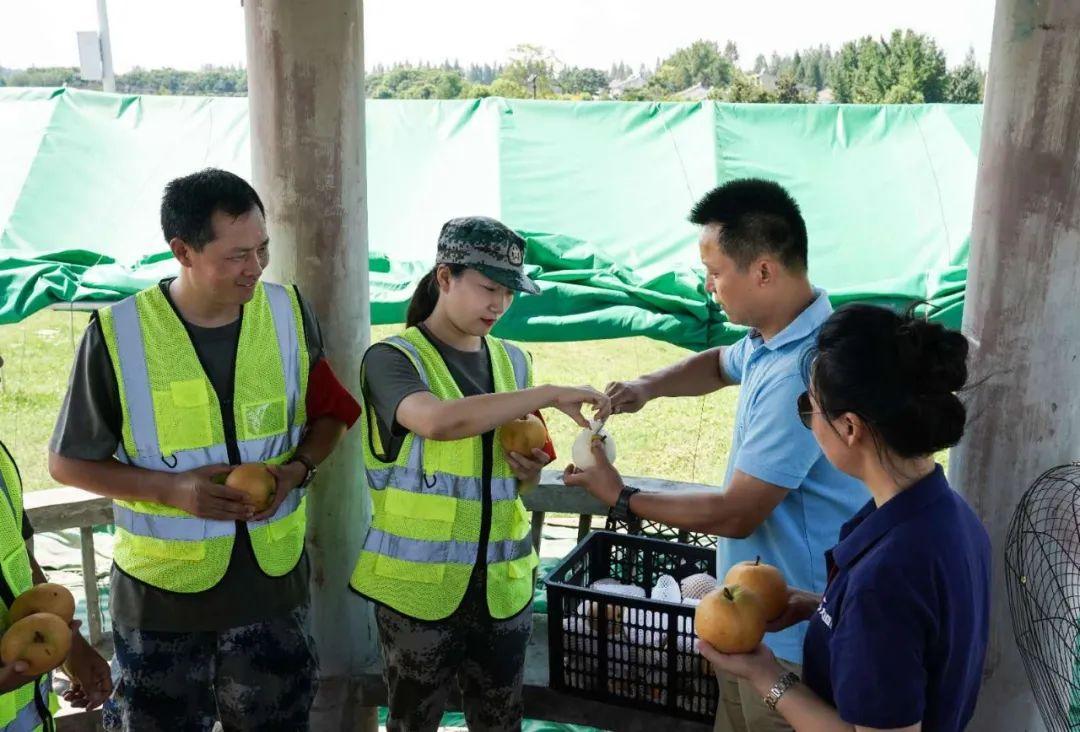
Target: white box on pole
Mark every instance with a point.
(89, 56)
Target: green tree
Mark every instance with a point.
(209, 81)
(505, 87)
(809, 66)
(743, 89)
(589, 82)
(760, 64)
(46, 76)
(841, 78)
(731, 52)
(917, 63)
(788, 91)
(906, 68)
(643, 94)
(965, 82)
(700, 63)
(821, 59)
(531, 68)
(406, 82)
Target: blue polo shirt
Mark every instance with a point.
(771, 444)
(900, 635)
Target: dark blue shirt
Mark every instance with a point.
(900, 635)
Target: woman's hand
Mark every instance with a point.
(570, 399)
(759, 667)
(527, 469)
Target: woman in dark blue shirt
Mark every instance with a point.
(898, 640)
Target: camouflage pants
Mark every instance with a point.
(421, 660)
(255, 677)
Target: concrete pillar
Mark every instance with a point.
(306, 96)
(1021, 307)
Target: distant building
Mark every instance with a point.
(766, 80)
(618, 88)
(694, 94)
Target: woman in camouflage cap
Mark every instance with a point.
(459, 608)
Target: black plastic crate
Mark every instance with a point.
(625, 650)
(641, 527)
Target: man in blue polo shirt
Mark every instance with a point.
(782, 500)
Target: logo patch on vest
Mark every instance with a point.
(264, 418)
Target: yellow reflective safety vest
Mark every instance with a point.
(172, 422)
(427, 506)
(30, 707)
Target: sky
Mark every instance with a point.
(194, 33)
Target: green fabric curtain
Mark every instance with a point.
(601, 190)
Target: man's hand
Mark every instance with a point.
(14, 676)
(197, 493)
(527, 470)
(628, 397)
(602, 480)
(91, 681)
(287, 477)
(800, 606)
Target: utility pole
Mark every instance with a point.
(108, 81)
(306, 99)
(1023, 276)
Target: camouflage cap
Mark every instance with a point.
(488, 246)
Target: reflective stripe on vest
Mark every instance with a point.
(191, 528)
(176, 528)
(438, 552)
(519, 361)
(291, 503)
(442, 484)
(136, 385)
(415, 354)
(26, 717)
(282, 314)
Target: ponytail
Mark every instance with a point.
(426, 295)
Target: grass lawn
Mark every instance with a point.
(37, 354)
(684, 439)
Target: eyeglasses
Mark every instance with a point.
(806, 409)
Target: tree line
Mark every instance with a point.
(904, 68)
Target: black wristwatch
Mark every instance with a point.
(311, 467)
(621, 510)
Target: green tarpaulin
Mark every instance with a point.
(600, 189)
